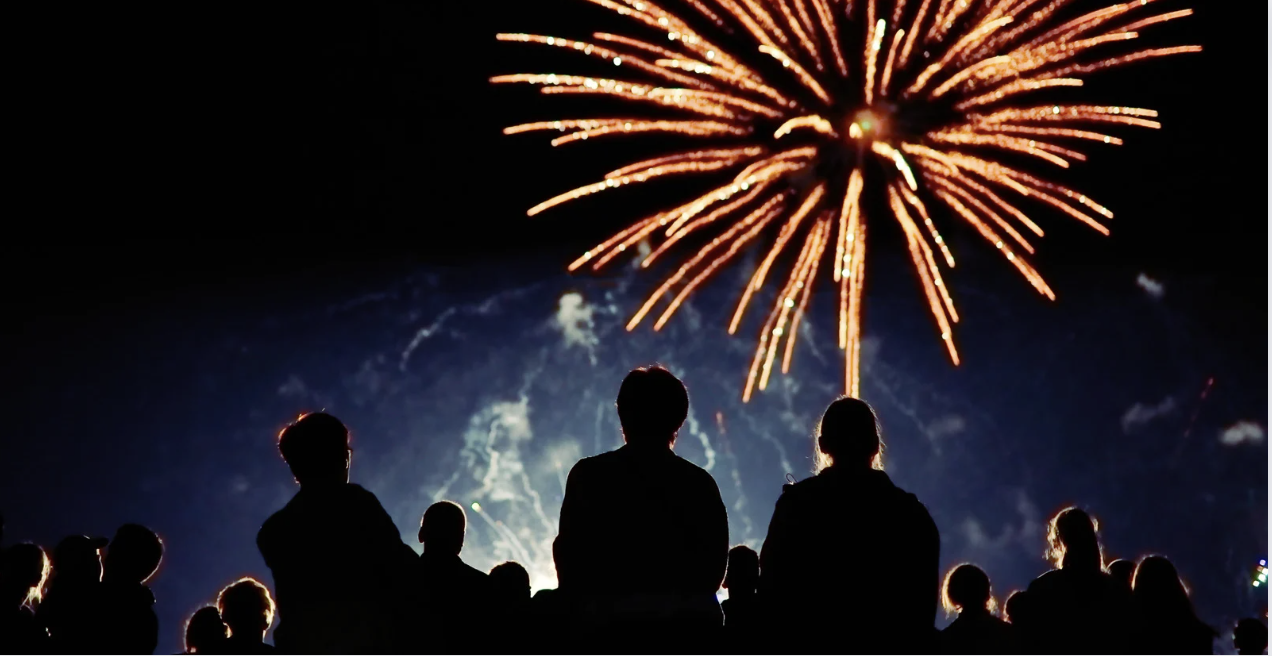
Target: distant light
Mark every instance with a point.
(1256, 584)
(476, 507)
(1263, 563)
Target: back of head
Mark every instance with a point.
(77, 559)
(1016, 607)
(1072, 542)
(1122, 571)
(1250, 636)
(134, 555)
(442, 528)
(246, 607)
(966, 588)
(316, 448)
(1157, 586)
(849, 435)
(652, 404)
(205, 631)
(743, 572)
(24, 569)
(510, 580)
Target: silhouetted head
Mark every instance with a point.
(848, 435)
(511, 581)
(743, 573)
(316, 448)
(1122, 570)
(1250, 636)
(652, 404)
(247, 608)
(24, 571)
(77, 559)
(133, 556)
(204, 632)
(966, 589)
(1016, 608)
(1072, 541)
(1157, 587)
(442, 528)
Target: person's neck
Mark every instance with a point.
(323, 485)
(652, 445)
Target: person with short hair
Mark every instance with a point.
(205, 633)
(247, 609)
(130, 625)
(644, 534)
(339, 563)
(454, 594)
(976, 630)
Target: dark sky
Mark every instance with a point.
(180, 157)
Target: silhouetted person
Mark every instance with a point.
(1077, 608)
(510, 581)
(24, 570)
(510, 605)
(72, 609)
(338, 561)
(741, 609)
(1016, 609)
(1122, 571)
(851, 561)
(454, 594)
(976, 631)
(130, 625)
(248, 612)
(1250, 636)
(205, 633)
(644, 536)
(1165, 619)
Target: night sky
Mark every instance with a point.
(186, 172)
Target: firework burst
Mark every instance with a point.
(818, 105)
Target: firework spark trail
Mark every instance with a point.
(846, 82)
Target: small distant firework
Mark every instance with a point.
(1261, 574)
(825, 108)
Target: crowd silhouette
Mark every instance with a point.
(850, 564)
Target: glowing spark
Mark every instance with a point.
(963, 70)
(815, 122)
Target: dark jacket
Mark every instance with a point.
(643, 533)
(979, 633)
(130, 625)
(341, 572)
(455, 600)
(851, 562)
(1079, 611)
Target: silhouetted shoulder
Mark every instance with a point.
(692, 472)
(267, 539)
(1047, 582)
(590, 464)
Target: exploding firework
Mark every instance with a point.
(821, 105)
